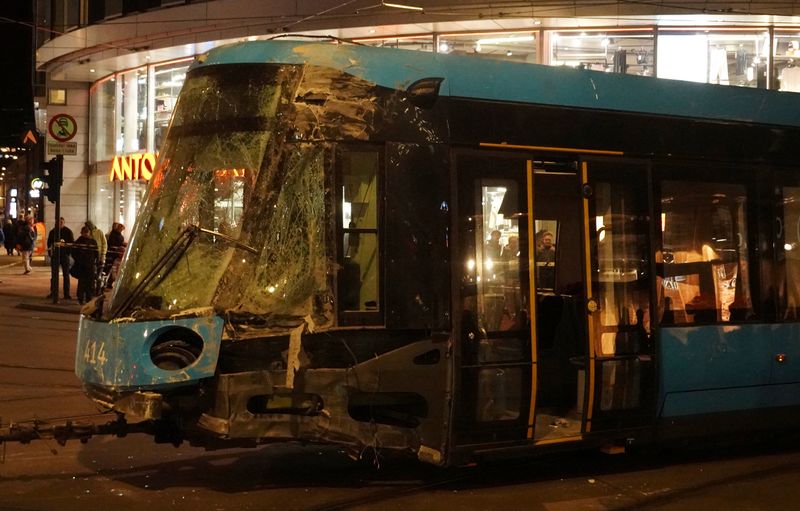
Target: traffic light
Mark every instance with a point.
(53, 177)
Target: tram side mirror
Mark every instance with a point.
(423, 92)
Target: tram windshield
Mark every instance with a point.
(233, 219)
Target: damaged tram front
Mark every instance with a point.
(272, 289)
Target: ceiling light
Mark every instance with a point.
(393, 5)
(403, 6)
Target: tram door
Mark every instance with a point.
(553, 318)
(491, 283)
(592, 349)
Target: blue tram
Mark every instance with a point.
(455, 258)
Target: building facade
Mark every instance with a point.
(117, 67)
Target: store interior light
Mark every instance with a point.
(509, 39)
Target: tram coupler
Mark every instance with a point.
(42, 429)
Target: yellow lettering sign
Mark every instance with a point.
(133, 167)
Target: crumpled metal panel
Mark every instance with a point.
(230, 416)
(117, 354)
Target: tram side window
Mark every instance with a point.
(789, 248)
(359, 284)
(703, 270)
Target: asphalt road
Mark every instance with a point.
(133, 473)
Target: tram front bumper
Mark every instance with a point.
(115, 359)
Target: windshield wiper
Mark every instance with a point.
(167, 262)
(234, 241)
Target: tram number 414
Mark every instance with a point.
(95, 353)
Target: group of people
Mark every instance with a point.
(20, 236)
(88, 258)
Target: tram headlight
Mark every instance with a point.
(175, 348)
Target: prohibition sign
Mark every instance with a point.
(62, 127)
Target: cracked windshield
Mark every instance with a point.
(235, 214)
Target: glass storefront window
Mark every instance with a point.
(617, 52)
(520, 47)
(786, 54)
(132, 128)
(418, 43)
(725, 58)
(168, 82)
(102, 101)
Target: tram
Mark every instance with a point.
(455, 258)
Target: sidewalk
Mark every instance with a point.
(31, 289)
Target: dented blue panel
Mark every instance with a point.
(117, 355)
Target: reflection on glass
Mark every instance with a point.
(499, 394)
(619, 283)
(789, 241)
(496, 267)
(704, 264)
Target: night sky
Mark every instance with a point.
(16, 96)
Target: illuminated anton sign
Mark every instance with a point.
(133, 167)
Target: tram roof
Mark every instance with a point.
(491, 79)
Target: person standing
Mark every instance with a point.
(102, 246)
(64, 236)
(10, 238)
(26, 236)
(116, 247)
(85, 254)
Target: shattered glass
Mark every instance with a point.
(231, 173)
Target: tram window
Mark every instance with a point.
(499, 394)
(494, 270)
(789, 248)
(620, 283)
(703, 272)
(359, 285)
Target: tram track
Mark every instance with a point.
(392, 491)
(36, 368)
